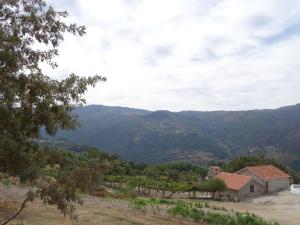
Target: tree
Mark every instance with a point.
(213, 185)
(30, 33)
(92, 168)
(30, 99)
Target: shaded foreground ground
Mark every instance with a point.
(283, 208)
(95, 211)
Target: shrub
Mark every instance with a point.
(196, 215)
(138, 203)
(181, 208)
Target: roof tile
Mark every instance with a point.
(267, 172)
(234, 181)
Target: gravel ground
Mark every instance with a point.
(283, 207)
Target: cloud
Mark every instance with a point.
(186, 54)
(158, 53)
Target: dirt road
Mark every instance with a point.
(283, 207)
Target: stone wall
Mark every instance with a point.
(245, 192)
(278, 184)
(213, 171)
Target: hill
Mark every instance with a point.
(194, 136)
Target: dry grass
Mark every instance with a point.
(95, 211)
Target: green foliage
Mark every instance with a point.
(213, 185)
(163, 178)
(153, 203)
(138, 203)
(62, 194)
(196, 213)
(242, 162)
(125, 192)
(181, 208)
(4, 180)
(30, 100)
(201, 205)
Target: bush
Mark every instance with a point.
(181, 208)
(196, 215)
(138, 203)
(154, 203)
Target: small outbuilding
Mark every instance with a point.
(272, 178)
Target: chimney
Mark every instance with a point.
(213, 171)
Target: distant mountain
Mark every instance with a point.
(193, 136)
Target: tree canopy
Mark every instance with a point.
(30, 33)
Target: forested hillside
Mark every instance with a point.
(193, 136)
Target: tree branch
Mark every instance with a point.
(23, 205)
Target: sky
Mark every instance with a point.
(185, 54)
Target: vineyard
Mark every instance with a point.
(166, 188)
(198, 212)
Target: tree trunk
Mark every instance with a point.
(213, 195)
(171, 194)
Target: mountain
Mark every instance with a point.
(194, 136)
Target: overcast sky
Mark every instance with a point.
(186, 54)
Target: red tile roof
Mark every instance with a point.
(267, 172)
(234, 181)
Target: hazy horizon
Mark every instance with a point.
(164, 109)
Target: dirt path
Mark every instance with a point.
(283, 207)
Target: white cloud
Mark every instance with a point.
(186, 54)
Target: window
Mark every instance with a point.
(251, 188)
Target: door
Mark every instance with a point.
(266, 187)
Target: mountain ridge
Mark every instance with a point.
(195, 136)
